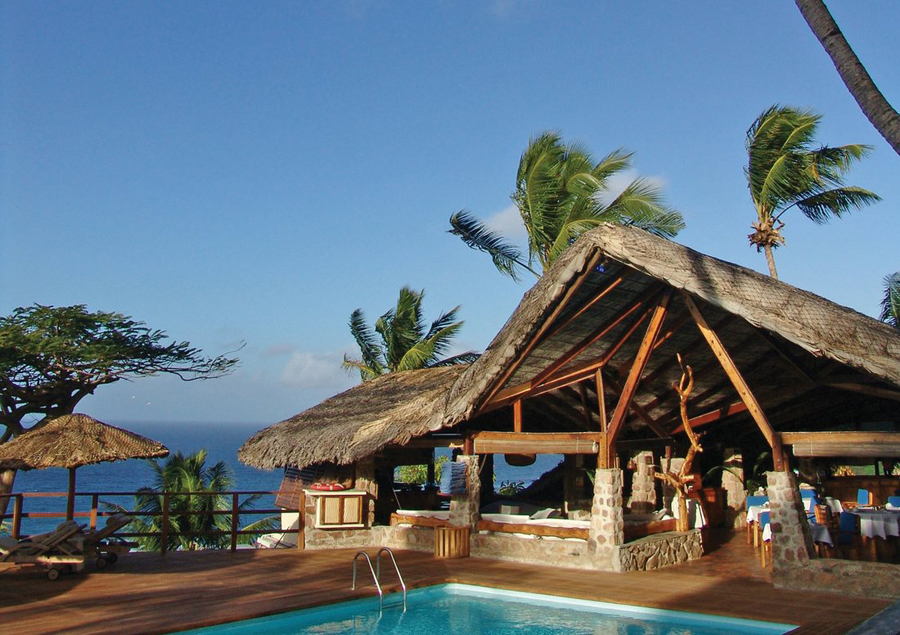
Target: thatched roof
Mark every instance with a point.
(356, 423)
(805, 358)
(810, 322)
(74, 440)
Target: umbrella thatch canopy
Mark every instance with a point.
(356, 423)
(71, 441)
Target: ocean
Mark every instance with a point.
(221, 442)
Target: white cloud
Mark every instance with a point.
(316, 370)
(508, 223)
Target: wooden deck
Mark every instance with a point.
(146, 593)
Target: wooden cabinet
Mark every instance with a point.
(339, 510)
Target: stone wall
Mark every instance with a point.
(330, 538)
(643, 484)
(660, 550)
(550, 552)
(847, 577)
(791, 539)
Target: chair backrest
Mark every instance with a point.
(753, 501)
(822, 515)
(849, 523)
(807, 493)
(894, 501)
(863, 498)
(764, 519)
(113, 524)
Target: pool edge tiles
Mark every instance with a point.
(625, 610)
(320, 615)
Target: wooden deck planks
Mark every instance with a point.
(146, 593)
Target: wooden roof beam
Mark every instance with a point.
(640, 411)
(565, 377)
(596, 335)
(545, 330)
(637, 369)
(743, 390)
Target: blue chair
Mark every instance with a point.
(894, 501)
(754, 501)
(848, 534)
(763, 523)
(863, 498)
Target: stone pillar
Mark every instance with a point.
(464, 507)
(643, 484)
(733, 484)
(365, 481)
(607, 529)
(792, 543)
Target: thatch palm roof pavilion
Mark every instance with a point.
(591, 352)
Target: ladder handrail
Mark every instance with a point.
(396, 568)
(374, 577)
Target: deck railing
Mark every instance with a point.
(98, 511)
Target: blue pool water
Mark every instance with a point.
(472, 610)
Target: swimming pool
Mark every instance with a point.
(473, 610)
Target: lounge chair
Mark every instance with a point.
(57, 549)
(103, 545)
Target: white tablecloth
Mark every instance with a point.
(820, 533)
(754, 511)
(695, 513)
(881, 523)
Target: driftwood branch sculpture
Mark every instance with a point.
(679, 480)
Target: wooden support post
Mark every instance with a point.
(234, 520)
(70, 501)
(517, 415)
(637, 369)
(740, 385)
(95, 503)
(603, 455)
(469, 445)
(301, 522)
(164, 533)
(17, 516)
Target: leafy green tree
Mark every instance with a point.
(53, 357)
(560, 194)
(406, 341)
(785, 171)
(189, 515)
(890, 304)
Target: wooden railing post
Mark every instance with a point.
(95, 502)
(234, 520)
(17, 516)
(164, 534)
(301, 522)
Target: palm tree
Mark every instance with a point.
(190, 516)
(784, 172)
(560, 194)
(407, 343)
(854, 75)
(890, 304)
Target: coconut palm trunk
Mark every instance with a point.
(854, 75)
(770, 260)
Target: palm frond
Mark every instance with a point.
(463, 358)
(366, 339)
(476, 235)
(820, 207)
(890, 304)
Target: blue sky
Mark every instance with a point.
(254, 172)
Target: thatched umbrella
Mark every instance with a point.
(71, 441)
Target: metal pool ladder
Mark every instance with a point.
(376, 574)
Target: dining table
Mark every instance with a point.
(878, 523)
